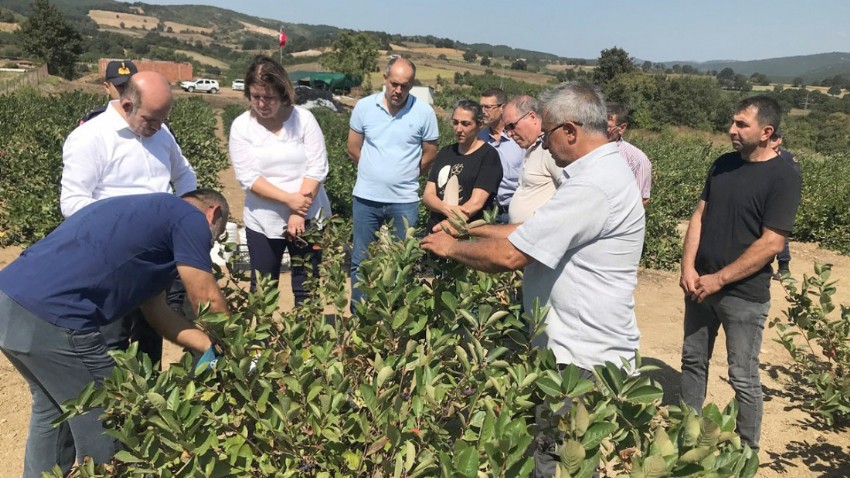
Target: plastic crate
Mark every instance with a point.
(240, 260)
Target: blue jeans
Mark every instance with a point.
(367, 218)
(57, 364)
(743, 322)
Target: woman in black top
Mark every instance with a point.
(472, 161)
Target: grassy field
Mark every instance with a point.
(130, 20)
(428, 68)
(822, 89)
(207, 60)
(105, 18)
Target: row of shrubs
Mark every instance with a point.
(34, 128)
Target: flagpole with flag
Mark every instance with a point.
(282, 43)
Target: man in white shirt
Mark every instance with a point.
(579, 251)
(540, 175)
(123, 151)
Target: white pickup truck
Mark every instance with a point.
(201, 84)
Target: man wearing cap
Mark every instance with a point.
(745, 212)
(618, 121)
(510, 153)
(784, 257)
(115, 77)
(105, 260)
(123, 151)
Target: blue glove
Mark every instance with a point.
(209, 357)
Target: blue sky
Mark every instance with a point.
(656, 30)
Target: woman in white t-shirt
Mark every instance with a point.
(278, 152)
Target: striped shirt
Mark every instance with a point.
(639, 164)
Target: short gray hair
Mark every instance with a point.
(579, 102)
(524, 104)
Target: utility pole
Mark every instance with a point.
(501, 78)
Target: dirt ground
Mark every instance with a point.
(793, 444)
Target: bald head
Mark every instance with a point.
(398, 79)
(146, 102)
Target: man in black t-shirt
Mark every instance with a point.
(744, 214)
(783, 258)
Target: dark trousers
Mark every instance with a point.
(743, 321)
(367, 218)
(784, 257)
(133, 327)
(57, 364)
(265, 256)
(547, 443)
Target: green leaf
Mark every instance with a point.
(449, 300)
(572, 455)
(596, 433)
(549, 387)
(352, 460)
(157, 400)
(127, 457)
(383, 375)
(466, 460)
(646, 394)
(695, 455)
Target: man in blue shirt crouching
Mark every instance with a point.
(111, 257)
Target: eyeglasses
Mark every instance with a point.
(490, 107)
(552, 130)
(512, 125)
(264, 99)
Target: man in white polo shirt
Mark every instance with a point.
(579, 251)
(392, 141)
(122, 151)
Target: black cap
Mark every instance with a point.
(119, 71)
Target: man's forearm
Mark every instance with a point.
(487, 255)
(752, 260)
(691, 243)
(173, 327)
(493, 231)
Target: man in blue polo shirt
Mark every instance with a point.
(392, 141)
(109, 258)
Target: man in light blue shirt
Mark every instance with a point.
(392, 141)
(579, 251)
(510, 153)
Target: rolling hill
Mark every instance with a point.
(166, 32)
(810, 68)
